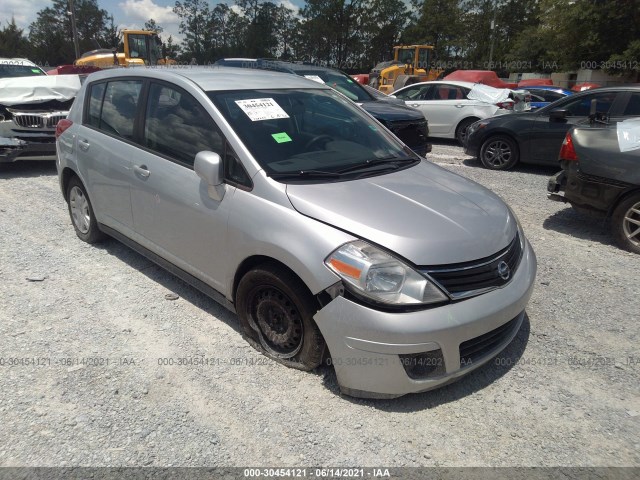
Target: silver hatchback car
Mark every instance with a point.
(296, 209)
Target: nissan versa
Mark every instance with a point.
(281, 199)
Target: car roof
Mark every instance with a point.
(215, 78)
(553, 88)
(455, 83)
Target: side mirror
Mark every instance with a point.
(208, 166)
(558, 115)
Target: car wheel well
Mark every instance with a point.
(465, 122)
(251, 262)
(466, 119)
(622, 198)
(67, 175)
(502, 164)
(503, 134)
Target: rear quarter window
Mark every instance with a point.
(112, 107)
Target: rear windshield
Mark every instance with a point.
(17, 70)
(298, 129)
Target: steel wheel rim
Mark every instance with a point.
(498, 153)
(79, 206)
(631, 224)
(277, 320)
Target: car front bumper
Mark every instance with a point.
(14, 149)
(370, 349)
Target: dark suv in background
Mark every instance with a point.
(408, 124)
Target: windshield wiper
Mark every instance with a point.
(306, 174)
(392, 161)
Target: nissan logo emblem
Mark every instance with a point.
(504, 271)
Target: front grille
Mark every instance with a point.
(53, 120)
(413, 133)
(29, 121)
(477, 348)
(468, 279)
(37, 120)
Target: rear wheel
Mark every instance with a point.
(461, 131)
(625, 223)
(81, 212)
(499, 153)
(276, 314)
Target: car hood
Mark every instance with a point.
(391, 112)
(425, 214)
(38, 89)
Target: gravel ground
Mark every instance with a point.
(564, 393)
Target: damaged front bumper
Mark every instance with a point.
(12, 149)
(26, 144)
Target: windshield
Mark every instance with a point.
(338, 81)
(138, 46)
(155, 49)
(300, 130)
(17, 70)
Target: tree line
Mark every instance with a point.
(354, 35)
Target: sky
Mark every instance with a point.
(126, 13)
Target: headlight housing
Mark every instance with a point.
(480, 124)
(380, 277)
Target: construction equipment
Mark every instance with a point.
(410, 64)
(141, 47)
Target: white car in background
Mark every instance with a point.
(450, 106)
(31, 105)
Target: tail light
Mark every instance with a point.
(62, 126)
(505, 105)
(567, 151)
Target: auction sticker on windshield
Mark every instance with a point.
(261, 109)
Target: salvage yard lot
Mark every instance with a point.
(99, 368)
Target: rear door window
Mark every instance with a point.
(416, 92)
(95, 104)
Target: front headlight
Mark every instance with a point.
(480, 124)
(378, 276)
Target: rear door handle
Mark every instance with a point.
(83, 144)
(459, 105)
(141, 170)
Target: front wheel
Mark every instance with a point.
(499, 153)
(276, 315)
(625, 223)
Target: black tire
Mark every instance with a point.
(499, 153)
(625, 217)
(276, 315)
(81, 212)
(461, 130)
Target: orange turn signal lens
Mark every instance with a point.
(345, 268)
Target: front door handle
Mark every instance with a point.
(415, 105)
(141, 170)
(459, 105)
(83, 144)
